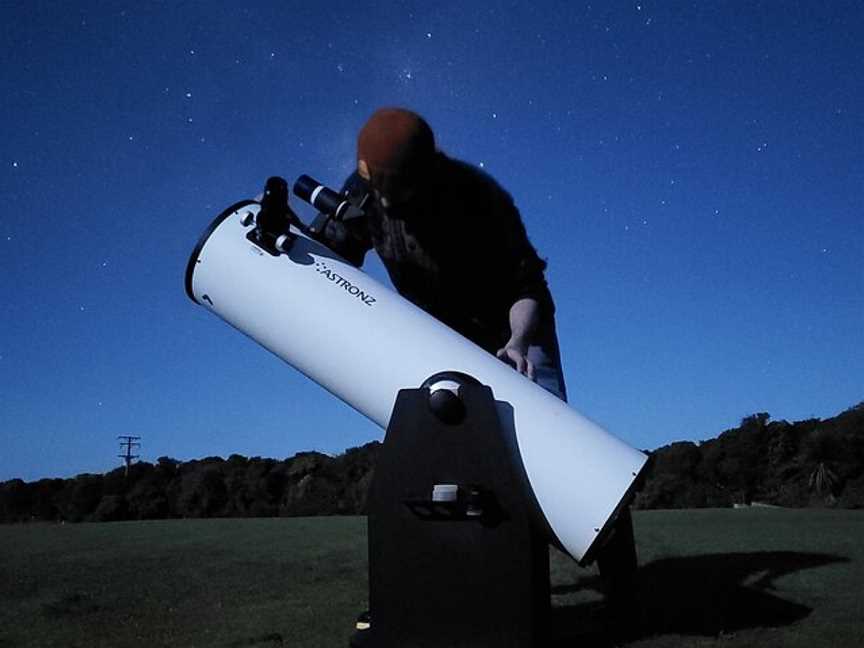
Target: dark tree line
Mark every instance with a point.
(309, 483)
(807, 463)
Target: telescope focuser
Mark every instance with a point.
(272, 230)
(330, 204)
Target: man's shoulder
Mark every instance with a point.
(460, 169)
(471, 177)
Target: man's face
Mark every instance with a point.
(394, 192)
(397, 193)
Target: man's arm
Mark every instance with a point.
(529, 292)
(524, 317)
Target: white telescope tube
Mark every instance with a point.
(362, 342)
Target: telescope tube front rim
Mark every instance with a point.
(193, 259)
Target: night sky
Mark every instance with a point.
(693, 173)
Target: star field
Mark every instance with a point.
(694, 175)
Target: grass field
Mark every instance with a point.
(731, 578)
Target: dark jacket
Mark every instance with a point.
(459, 252)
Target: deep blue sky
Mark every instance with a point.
(694, 174)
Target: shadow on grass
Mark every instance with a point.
(695, 595)
(74, 604)
(261, 641)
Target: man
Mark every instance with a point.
(453, 243)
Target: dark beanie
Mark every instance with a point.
(394, 142)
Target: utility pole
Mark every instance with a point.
(127, 443)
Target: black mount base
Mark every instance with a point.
(465, 568)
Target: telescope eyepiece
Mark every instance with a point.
(335, 205)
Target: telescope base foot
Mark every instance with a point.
(360, 639)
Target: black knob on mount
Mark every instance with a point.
(444, 399)
(447, 406)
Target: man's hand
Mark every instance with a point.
(517, 359)
(524, 315)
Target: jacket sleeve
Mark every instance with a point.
(350, 239)
(522, 267)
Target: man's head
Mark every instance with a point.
(395, 154)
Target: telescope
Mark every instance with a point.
(259, 268)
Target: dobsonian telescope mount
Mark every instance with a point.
(127, 443)
(455, 559)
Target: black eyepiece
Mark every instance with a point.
(324, 199)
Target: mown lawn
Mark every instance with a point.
(757, 577)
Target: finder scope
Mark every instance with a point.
(272, 230)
